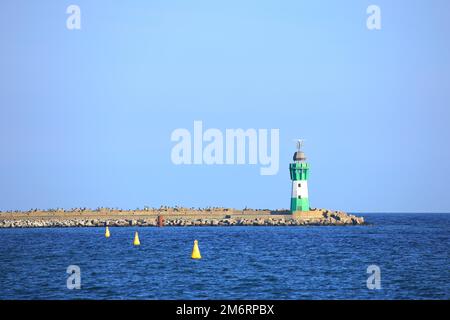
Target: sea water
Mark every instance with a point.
(316, 262)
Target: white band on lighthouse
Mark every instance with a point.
(300, 188)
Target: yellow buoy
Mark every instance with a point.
(107, 234)
(196, 251)
(136, 241)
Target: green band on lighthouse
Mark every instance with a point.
(299, 170)
(299, 204)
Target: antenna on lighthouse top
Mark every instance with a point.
(299, 143)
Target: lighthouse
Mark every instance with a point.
(299, 170)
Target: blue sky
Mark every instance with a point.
(86, 115)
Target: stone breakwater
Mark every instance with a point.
(182, 218)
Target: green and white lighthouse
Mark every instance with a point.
(299, 170)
